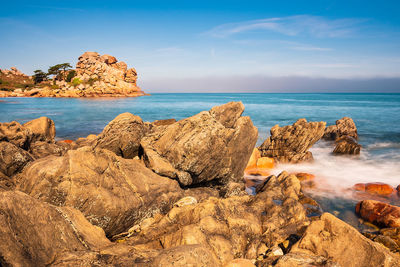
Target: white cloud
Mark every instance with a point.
(291, 26)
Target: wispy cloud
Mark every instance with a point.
(292, 26)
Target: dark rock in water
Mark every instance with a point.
(347, 145)
(42, 149)
(212, 146)
(12, 158)
(379, 213)
(122, 135)
(43, 129)
(34, 233)
(291, 143)
(344, 127)
(342, 244)
(16, 134)
(230, 227)
(112, 192)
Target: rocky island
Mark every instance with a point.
(95, 76)
(174, 193)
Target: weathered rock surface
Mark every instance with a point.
(41, 149)
(291, 143)
(344, 127)
(16, 134)
(12, 158)
(212, 146)
(339, 242)
(43, 129)
(233, 227)
(122, 135)
(112, 192)
(379, 213)
(346, 145)
(34, 233)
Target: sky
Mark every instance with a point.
(215, 46)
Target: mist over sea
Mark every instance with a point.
(377, 117)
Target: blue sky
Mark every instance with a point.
(182, 46)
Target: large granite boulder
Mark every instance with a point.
(12, 158)
(339, 242)
(380, 213)
(343, 127)
(238, 226)
(43, 129)
(112, 192)
(212, 146)
(34, 233)
(16, 134)
(291, 143)
(41, 149)
(122, 135)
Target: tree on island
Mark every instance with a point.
(39, 76)
(59, 70)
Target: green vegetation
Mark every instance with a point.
(91, 81)
(71, 74)
(39, 76)
(55, 86)
(76, 82)
(59, 70)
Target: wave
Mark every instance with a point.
(383, 145)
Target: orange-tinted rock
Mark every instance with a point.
(302, 176)
(67, 141)
(398, 189)
(240, 263)
(379, 213)
(265, 163)
(108, 59)
(253, 159)
(380, 189)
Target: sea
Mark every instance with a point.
(377, 117)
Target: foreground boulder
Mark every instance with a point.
(12, 158)
(16, 134)
(112, 192)
(122, 135)
(212, 146)
(43, 129)
(238, 226)
(290, 144)
(344, 127)
(379, 213)
(339, 242)
(34, 233)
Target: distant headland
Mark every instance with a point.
(95, 75)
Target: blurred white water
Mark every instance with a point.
(336, 174)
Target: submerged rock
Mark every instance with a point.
(380, 189)
(291, 143)
(347, 145)
(342, 244)
(122, 135)
(212, 146)
(379, 213)
(344, 127)
(112, 192)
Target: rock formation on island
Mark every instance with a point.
(95, 76)
(170, 193)
(291, 143)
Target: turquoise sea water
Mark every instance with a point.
(377, 117)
